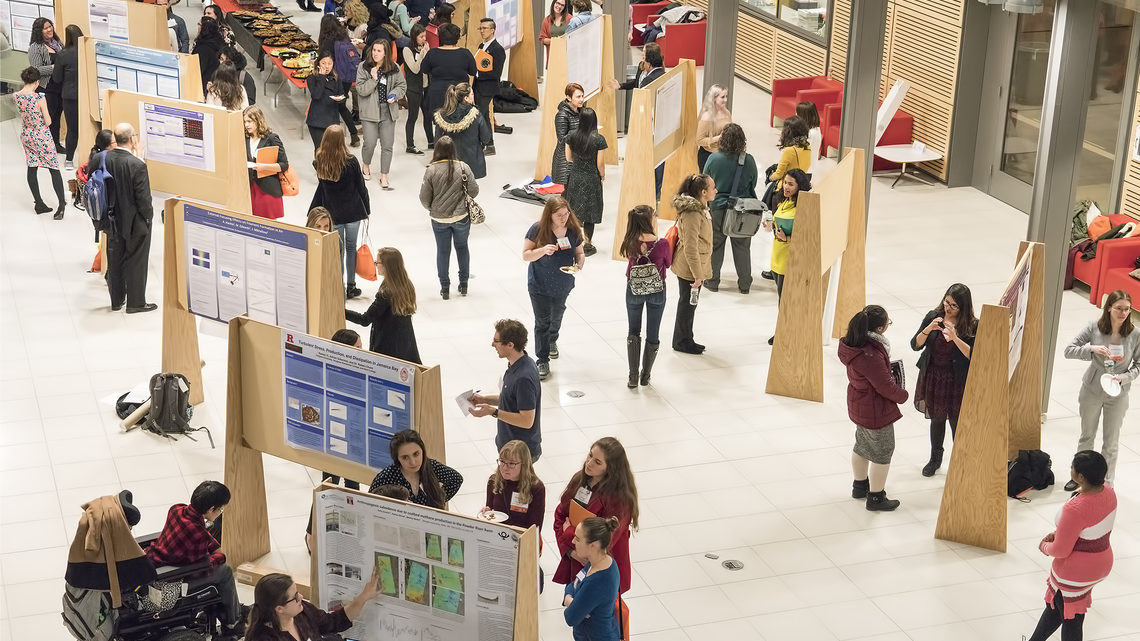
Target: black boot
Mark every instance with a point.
(633, 354)
(647, 361)
(859, 489)
(878, 502)
(934, 463)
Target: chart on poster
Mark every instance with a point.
(442, 577)
(17, 17)
(237, 266)
(507, 17)
(667, 110)
(344, 401)
(584, 56)
(145, 71)
(177, 136)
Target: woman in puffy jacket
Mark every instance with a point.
(460, 119)
(565, 121)
(873, 399)
(692, 260)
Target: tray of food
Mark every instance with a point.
(266, 33)
(297, 63)
(277, 41)
(301, 74)
(269, 9)
(284, 52)
(304, 46)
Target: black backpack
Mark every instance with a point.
(1031, 470)
(170, 409)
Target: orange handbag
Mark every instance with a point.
(621, 611)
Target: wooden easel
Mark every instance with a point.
(1025, 399)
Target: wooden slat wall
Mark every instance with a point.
(840, 35)
(796, 57)
(1130, 200)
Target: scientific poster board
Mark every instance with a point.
(667, 109)
(508, 18)
(108, 20)
(129, 68)
(584, 56)
(236, 267)
(17, 17)
(343, 401)
(1015, 298)
(177, 136)
(141, 24)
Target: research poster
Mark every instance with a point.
(236, 266)
(108, 20)
(177, 136)
(130, 68)
(17, 16)
(442, 577)
(506, 14)
(667, 112)
(344, 401)
(584, 56)
(1016, 298)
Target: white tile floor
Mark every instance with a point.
(722, 467)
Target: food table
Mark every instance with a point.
(263, 31)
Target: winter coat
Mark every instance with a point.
(693, 257)
(470, 132)
(373, 105)
(565, 121)
(443, 197)
(345, 60)
(873, 397)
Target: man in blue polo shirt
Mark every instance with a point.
(516, 406)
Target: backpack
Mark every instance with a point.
(99, 191)
(1031, 470)
(644, 279)
(170, 409)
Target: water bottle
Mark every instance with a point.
(694, 293)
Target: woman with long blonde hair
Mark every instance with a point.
(341, 189)
(390, 314)
(714, 117)
(514, 489)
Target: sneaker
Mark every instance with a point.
(590, 250)
(543, 371)
(462, 289)
(503, 129)
(68, 165)
(767, 275)
(489, 150)
(352, 292)
(1071, 486)
(553, 350)
(413, 150)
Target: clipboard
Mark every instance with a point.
(483, 61)
(268, 156)
(578, 513)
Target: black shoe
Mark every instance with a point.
(933, 464)
(589, 249)
(633, 353)
(59, 213)
(543, 371)
(149, 307)
(859, 489)
(42, 208)
(312, 7)
(445, 293)
(355, 142)
(712, 287)
(503, 129)
(767, 275)
(352, 292)
(489, 150)
(431, 145)
(744, 290)
(1071, 486)
(698, 346)
(553, 350)
(413, 150)
(462, 289)
(878, 502)
(60, 149)
(647, 360)
(772, 340)
(115, 308)
(688, 348)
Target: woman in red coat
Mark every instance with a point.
(604, 486)
(873, 399)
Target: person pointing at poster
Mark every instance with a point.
(280, 613)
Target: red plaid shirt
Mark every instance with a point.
(184, 539)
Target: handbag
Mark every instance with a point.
(743, 216)
(644, 279)
(478, 216)
(621, 611)
(290, 186)
(365, 260)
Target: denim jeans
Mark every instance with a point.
(349, 232)
(655, 304)
(445, 235)
(548, 312)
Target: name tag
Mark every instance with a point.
(579, 577)
(583, 495)
(1116, 352)
(517, 505)
(564, 243)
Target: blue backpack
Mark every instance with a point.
(99, 192)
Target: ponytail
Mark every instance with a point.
(863, 323)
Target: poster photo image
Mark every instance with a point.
(387, 569)
(447, 593)
(455, 552)
(434, 546)
(416, 576)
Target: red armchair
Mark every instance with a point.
(639, 14)
(899, 132)
(1108, 271)
(789, 92)
(684, 40)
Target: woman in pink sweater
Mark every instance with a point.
(1082, 556)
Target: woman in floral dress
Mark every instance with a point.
(39, 147)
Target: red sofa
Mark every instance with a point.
(899, 132)
(639, 14)
(685, 40)
(789, 92)
(1109, 270)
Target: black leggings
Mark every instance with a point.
(417, 107)
(71, 114)
(938, 431)
(1054, 617)
(55, 108)
(345, 112)
(588, 228)
(56, 181)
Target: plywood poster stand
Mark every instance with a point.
(180, 352)
(255, 423)
(554, 92)
(227, 185)
(190, 88)
(678, 150)
(829, 226)
(146, 23)
(522, 66)
(1000, 414)
(526, 577)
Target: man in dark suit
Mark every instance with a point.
(128, 239)
(486, 85)
(650, 69)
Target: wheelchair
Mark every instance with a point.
(193, 617)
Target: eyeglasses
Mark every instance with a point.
(1122, 310)
(509, 464)
(495, 341)
(950, 305)
(295, 599)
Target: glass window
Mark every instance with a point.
(806, 18)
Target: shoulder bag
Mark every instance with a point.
(742, 216)
(644, 279)
(473, 209)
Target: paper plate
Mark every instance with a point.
(494, 516)
(1110, 387)
(569, 269)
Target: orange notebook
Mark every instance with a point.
(578, 513)
(267, 156)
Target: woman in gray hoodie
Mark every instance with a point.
(447, 182)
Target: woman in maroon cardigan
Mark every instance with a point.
(873, 399)
(604, 486)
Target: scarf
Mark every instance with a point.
(882, 340)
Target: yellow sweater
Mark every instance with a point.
(792, 158)
(784, 217)
(709, 131)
